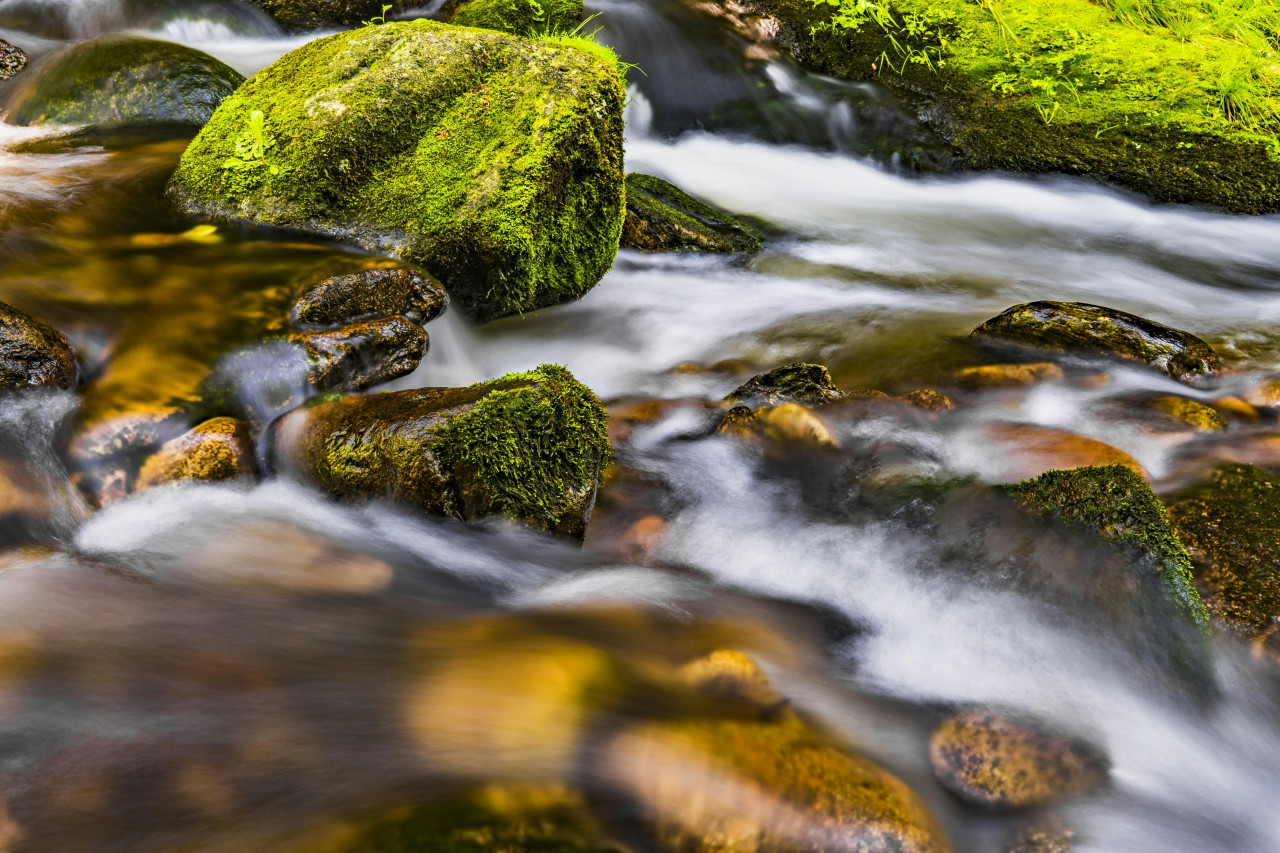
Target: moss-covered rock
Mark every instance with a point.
(993, 761)
(1077, 327)
(297, 15)
(662, 217)
(1231, 527)
(529, 446)
(809, 384)
(1193, 414)
(343, 299)
(125, 80)
(494, 162)
(1069, 86)
(358, 356)
(32, 354)
(12, 59)
(929, 400)
(518, 17)
(218, 449)
(1115, 503)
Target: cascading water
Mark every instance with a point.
(866, 269)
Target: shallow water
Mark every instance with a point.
(250, 650)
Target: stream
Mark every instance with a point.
(188, 651)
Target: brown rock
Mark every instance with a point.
(1197, 415)
(1046, 833)
(344, 299)
(1028, 451)
(32, 354)
(1003, 375)
(355, 357)
(218, 449)
(792, 423)
(929, 400)
(992, 761)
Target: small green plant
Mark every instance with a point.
(252, 147)
(1046, 114)
(379, 19)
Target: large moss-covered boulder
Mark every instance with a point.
(12, 59)
(32, 354)
(492, 161)
(1081, 328)
(1172, 102)
(126, 80)
(661, 217)
(1231, 527)
(518, 17)
(529, 446)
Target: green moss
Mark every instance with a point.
(123, 80)
(1065, 86)
(662, 218)
(809, 384)
(519, 17)
(492, 161)
(1231, 526)
(1115, 503)
(312, 14)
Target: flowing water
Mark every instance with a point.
(246, 649)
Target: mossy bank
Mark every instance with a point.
(1182, 113)
(494, 162)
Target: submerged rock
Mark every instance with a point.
(12, 59)
(32, 354)
(929, 400)
(363, 354)
(1047, 833)
(1197, 415)
(809, 384)
(1029, 450)
(492, 161)
(1000, 375)
(518, 17)
(530, 446)
(218, 449)
(1231, 527)
(992, 761)
(343, 299)
(662, 217)
(126, 80)
(1077, 327)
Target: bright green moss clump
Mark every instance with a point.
(1181, 105)
(1115, 503)
(492, 161)
(518, 17)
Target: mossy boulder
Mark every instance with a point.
(998, 762)
(1231, 527)
(1069, 86)
(358, 356)
(12, 59)
(1081, 328)
(529, 446)
(365, 295)
(218, 449)
(518, 17)
(494, 162)
(121, 80)
(1113, 502)
(661, 217)
(809, 384)
(32, 354)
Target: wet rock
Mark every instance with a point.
(218, 449)
(529, 446)
(33, 355)
(929, 400)
(1116, 504)
(12, 59)
(1001, 375)
(663, 218)
(1230, 525)
(1027, 450)
(1047, 833)
(793, 425)
(344, 299)
(1197, 415)
(992, 761)
(355, 357)
(121, 80)
(809, 384)
(1080, 328)
(518, 17)
(739, 422)
(513, 198)
(732, 676)
(1264, 395)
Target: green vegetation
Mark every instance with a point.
(494, 162)
(520, 17)
(1117, 504)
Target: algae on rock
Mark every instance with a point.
(662, 217)
(492, 161)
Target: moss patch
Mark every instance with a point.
(127, 80)
(1184, 113)
(518, 17)
(1231, 526)
(661, 217)
(809, 384)
(1117, 504)
(492, 161)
